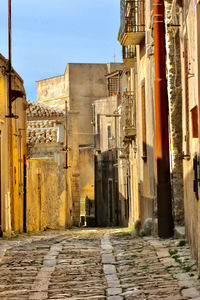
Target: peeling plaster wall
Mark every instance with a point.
(45, 206)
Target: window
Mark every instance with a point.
(109, 136)
(97, 135)
(113, 85)
(144, 135)
(194, 112)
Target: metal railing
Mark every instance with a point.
(129, 52)
(128, 110)
(132, 16)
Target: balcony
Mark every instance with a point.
(132, 27)
(128, 117)
(129, 57)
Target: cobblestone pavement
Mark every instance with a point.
(96, 264)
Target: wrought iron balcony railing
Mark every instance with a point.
(128, 115)
(132, 19)
(129, 52)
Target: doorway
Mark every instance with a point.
(110, 200)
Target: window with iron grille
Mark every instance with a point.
(113, 85)
(129, 52)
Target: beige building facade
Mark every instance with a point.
(139, 131)
(190, 61)
(74, 92)
(136, 36)
(182, 33)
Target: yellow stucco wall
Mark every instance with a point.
(45, 207)
(13, 149)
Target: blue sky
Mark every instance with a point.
(47, 34)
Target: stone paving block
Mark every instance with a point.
(113, 284)
(108, 259)
(115, 298)
(114, 291)
(175, 297)
(190, 293)
(111, 277)
(106, 246)
(168, 261)
(131, 293)
(49, 263)
(183, 276)
(109, 269)
(106, 251)
(40, 285)
(162, 252)
(186, 283)
(39, 296)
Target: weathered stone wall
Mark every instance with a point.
(45, 206)
(86, 165)
(80, 86)
(175, 111)
(87, 83)
(53, 92)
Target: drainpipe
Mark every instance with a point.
(9, 116)
(9, 60)
(66, 136)
(164, 201)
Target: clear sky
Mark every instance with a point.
(48, 34)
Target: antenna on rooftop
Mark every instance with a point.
(114, 56)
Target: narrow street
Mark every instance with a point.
(96, 264)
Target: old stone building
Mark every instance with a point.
(74, 92)
(136, 36)
(189, 21)
(108, 210)
(47, 203)
(12, 152)
(111, 206)
(175, 106)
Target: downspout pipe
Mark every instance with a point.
(164, 201)
(9, 60)
(10, 116)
